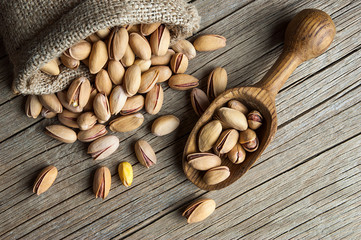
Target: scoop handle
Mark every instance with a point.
(307, 36)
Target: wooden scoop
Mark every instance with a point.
(307, 36)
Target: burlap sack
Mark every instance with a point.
(36, 31)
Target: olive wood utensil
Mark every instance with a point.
(307, 36)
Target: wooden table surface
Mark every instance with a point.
(306, 185)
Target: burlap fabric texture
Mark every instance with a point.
(36, 31)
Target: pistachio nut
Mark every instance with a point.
(116, 72)
(46, 113)
(103, 147)
(147, 29)
(145, 153)
(103, 33)
(132, 80)
(51, 68)
(80, 50)
(199, 101)
(132, 28)
(62, 96)
(86, 62)
(126, 123)
(254, 119)
(92, 134)
(68, 118)
(209, 42)
(148, 80)
(61, 133)
(237, 105)
(51, 102)
(117, 99)
(92, 38)
(203, 161)
(98, 57)
(86, 120)
(102, 182)
(162, 60)
(183, 82)
(226, 141)
(79, 92)
(179, 63)
(185, 47)
(165, 125)
(154, 100)
(217, 82)
(143, 64)
(140, 46)
(233, 118)
(45, 179)
(69, 62)
(199, 210)
(132, 105)
(128, 58)
(216, 175)
(101, 107)
(237, 154)
(117, 43)
(103, 82)
(249, 140)
(224, 124)
(33, 106)
(164, 72)
(159, 41)
(125, 171)
(208, 135)
(89, 105)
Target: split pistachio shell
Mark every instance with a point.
(101, 107)
(103, 33)
(216, 175)
(79, 92)
(208, 135)
(203, 161)
(102, 182)
(199, 101)
(98, 57)
(132, 28)
(249, 140)
(128, 58)
(51, 68)
(92, 134)
(217, 82)
(51, 102)
(46, 113)
(179, 63)
(103, 147)
(68, 118)
(209, 42)
(64, 102)
(45, 179)
(165, 125)
(140, 46)
(132, 105)
(132, 80)
(237, 154)
(61, 133)
(127, 123)
(93, 38)
(233, 118)
(89, 105)
(226, 141)
(159, 41)
(69, 62)
(147, 29)
(183, 82)
(125, 171)
(86, 120)
(117, 43)
(164, 72)
(237, 105)
(185, 47)
(143, 64)
(33, 106)
(103, 82)
(199, 210)
(80, 50)
(148, 80)
(162, 60)
(254, 119)
(154, 100)
(117, 100)
(145, 153)
(116, 72)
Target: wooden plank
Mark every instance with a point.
(6, 78)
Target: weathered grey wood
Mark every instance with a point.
(304, 186)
